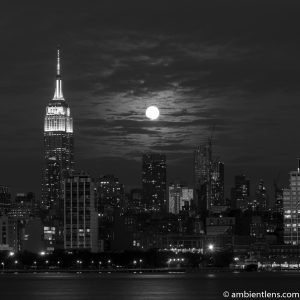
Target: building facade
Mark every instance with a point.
(154, 178)
(217, 184)
(240, 193)
(291, 209)
(5, 199)
(110, 192)
(80, 215)
(202, 176)
(261, 201)
(179, 198)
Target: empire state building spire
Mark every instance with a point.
(58, 95)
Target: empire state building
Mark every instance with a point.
(58, 147)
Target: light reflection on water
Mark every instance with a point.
(140, 286)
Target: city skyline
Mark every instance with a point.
(199, 77)
(149, 149)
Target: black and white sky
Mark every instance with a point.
(230, 64)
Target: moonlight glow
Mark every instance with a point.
(152, 112)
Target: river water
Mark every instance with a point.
(142, 286)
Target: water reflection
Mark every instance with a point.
(138, 286)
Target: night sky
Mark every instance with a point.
(234, 65)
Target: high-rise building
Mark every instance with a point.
(58, 145)
(217, 184)
(154, 181)
(291, 209)
(58, 162)
(110, 192)
(208, 179)
(240, 193)
(261, 201)
(5, 199)
(278, 206)
(80, 215)
(202, 176)
(179, 198)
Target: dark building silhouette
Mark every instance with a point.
(261, 201)
(110, 192)
(240, 193)
(217, 184)
(5, 199)
(154, 181)
(58, 159)
(24, 207)
(135, 203)
(278, 206)
(202, 176)
(208, 179)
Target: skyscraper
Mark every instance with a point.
(217, 184)
(202, 176)
(278, 198)
(291, 209)
(58, 144)
(208, 178)
(240, 193)
(261, 201)
(154, 181)
(5, 199)
(58, 156)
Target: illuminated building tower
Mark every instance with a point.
(291, 209)
(58, 153)
(58, 144)
(80, 216)
(154, 181)
(240, 193)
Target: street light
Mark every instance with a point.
(140, 263)
(2, 266)
(211, 247)
(99, 263)
(168, 262)
(134, 262)
(11, 253)
(79, 262)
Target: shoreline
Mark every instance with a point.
(136, 271)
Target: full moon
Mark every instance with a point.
(152, 112)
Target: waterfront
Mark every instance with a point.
(142, 286)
